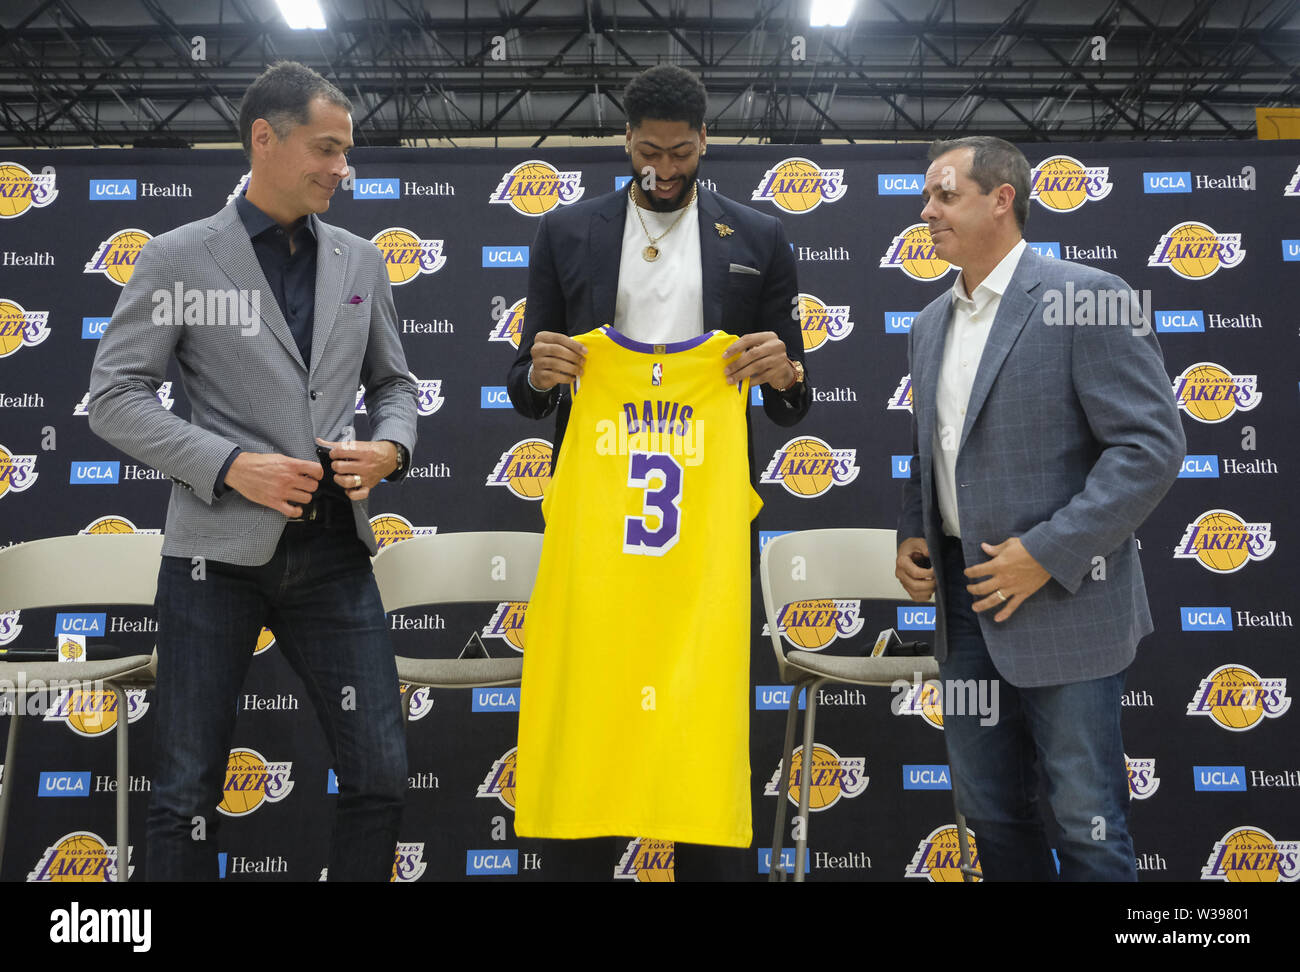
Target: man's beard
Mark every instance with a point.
(667, 205)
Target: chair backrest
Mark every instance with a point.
(813, 564)
(458, 567)
(118, 568)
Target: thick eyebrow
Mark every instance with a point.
(649, 144)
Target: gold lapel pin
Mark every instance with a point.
(723, 229)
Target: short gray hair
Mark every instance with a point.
(994, 162)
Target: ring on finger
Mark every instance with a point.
(999, 593)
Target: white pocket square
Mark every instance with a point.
(741, 268)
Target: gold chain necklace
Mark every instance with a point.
(651, 253)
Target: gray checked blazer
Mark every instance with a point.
(247, 385)
(1070, 440)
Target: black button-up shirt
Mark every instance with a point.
(292, 276)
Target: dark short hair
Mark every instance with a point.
(666, 93)
(282, 94)
(994, 163)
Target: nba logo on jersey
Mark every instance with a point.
(657, 374)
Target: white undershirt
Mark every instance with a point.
(661, 301)
(963, 346)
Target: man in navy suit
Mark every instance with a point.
(664, 260)
(1042, 442)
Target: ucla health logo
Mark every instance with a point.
(1142, 779)
(924, 700)
(500, 779)
(912, 251)
(833, 776)
(1293, 187)
(115, 258)
(21, 189)
(1223, 543)
(507, 623)
(1251, 854)
(647, 860)
(1210, 393)
(251, 781)
(407, 255)
(390, 528)
(534, 188)
(89, 712)
(1196, 251)
(164, 395)
(367, 189)
(807, 466)
(428, 395)
(938, 856)
(821, 322)
(81, 856)
(511, 326)
(814, 624)
(1237, 699)
(1062, 183)
(21, 328)
(524, 469)
(796, 185)
(409, 863)
(17, 473)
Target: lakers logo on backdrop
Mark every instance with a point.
(822, 322)
(807, 466)
(524, 469)
(408, 255)
(265, 641)
(1062, 183)
(9, 627)
(1293, 187)
(110, 524)
(511, 325)
(21, 189)
(392, 528)
(507, 623)
(534, 188)
(1142, 779)
(428, 395)
(409, 863)
(251, 781)
(814, 624)
(1210, 393)
(901, 400)
(21, 328)
(80, 857)
(500, 779)
(924, 700)
(1196, 251)
(419, 703)
(1237, 699)
(1249, 854)
(89, 712)
(648, 861)
(912, 251)
(164, 396)
(116, 256)
(1223, 543)
(832, 777)
(17, 473)
(938, 855)
(796, 185)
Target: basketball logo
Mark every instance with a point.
(796, 185)
(419, 702)
(1238, 699)
(89, 712)
(21, 328)
(833, 776)
(924, 700)
(408, 865)
(9, 627)
(1210, 393)
(1062, 183)
(17, 473)
(116, 256)
(108, 525)
(252, 781)
(1251, 855)
(812, 625)
(21, 189)
(912, 251)
(1223, 543)
(1142, 779)
(80, 856)
(507, 623)
(807, 466)
(511, 326)
(1195, 251)
(534, 188)
(392, 528)
(648, 861)
(938, 856)
(406, 255)
(500, 779)
(901, 400)
(265, 639)
(524, 469)
(822, 322)
(71, 649)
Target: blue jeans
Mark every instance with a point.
(1069, 733)
(318, 595)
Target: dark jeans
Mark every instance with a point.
(318, 595)
(1069, 733)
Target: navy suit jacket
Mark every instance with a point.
(1071, 438)
(573, 284)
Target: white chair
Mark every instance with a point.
(815, 564)
(63, 572)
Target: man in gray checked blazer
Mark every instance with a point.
(1041, 443)
(274, 318)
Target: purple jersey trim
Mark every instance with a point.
(623, 341)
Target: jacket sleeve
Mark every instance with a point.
(779, 312)
(544, 310)
(910, 522)
(390, 392)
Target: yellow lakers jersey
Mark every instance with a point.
(634, 715)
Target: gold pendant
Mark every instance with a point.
(650, 254)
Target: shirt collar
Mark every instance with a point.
(995, 284)
(257, 222)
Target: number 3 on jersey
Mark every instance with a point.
(660, 475)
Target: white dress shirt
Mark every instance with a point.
(963, 346)
(662, 301)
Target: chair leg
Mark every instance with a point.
(968, 871)
(805, 777)
(7, 787)
(123, 781)
(776, 872)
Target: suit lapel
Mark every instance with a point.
(331, 273)
(714, 264)
(604, 254)
(232, 251)
(927, 352)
